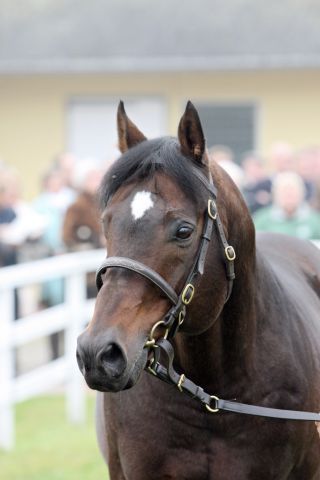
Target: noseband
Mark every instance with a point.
(176, 314)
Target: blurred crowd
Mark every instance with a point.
(63, 217)
(282, 192)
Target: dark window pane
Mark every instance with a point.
(230, 125)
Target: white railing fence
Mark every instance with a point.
(70, 316)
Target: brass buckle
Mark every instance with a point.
(180, 382)
(150, 343)
(210, 409)
(150, 369)
(181, 318)
(188, 290)
(212, 205)
(230, 253)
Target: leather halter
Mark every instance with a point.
(176, 314)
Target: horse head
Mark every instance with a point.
(154, 202)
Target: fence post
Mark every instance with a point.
(7, 420)
(75, 297)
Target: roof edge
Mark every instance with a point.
(159, 64)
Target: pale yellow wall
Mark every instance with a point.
(33, 121)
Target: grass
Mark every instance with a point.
(50, 448)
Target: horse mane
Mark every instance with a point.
(148, 157)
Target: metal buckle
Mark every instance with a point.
(230, 253)
(187, 294)
(150, 369)
(180, 382)
(210, 409)
(181, 317)
(212, 205)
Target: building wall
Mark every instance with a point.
(33, 126)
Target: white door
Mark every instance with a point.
(92, 129)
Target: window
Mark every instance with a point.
(233, 125)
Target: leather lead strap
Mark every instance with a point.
(169, 375)
(266, 412)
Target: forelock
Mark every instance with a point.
(144, 160)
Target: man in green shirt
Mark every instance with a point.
(289, 213)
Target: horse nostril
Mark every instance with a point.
(112, 360)
(81, 363)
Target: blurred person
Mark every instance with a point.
(20, 223)
(317, 161)
(289, 212)
(66, 163)
(223, 155)
(53, 202)
(306, 167)
(8, 254)
(82, 226)
(316, 196)
(8, 194)
(281, 157)
(284, 159)
(257, 185)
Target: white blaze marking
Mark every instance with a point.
(140, 204)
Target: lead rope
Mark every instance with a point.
(213, 403)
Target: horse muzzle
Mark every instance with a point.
(106, 366)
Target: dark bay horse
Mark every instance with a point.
(254, 339)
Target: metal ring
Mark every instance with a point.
(213, 410)
(150, 343)
(153, 329)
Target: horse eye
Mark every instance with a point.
(183, 233)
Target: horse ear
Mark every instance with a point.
(128, 134)
(190, 134)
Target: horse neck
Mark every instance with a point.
(221, 358)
